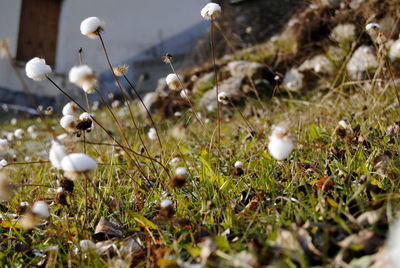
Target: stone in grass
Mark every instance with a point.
(231, 86)
(106, 230)
(362, 61)
(244, 69)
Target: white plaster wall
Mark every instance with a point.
(131, 26)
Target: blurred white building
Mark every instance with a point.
(135, 30)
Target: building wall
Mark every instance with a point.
(131, 26)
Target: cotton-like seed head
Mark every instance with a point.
(70, 108)
(85, 116)
(19, 133)
(32, 129)
(249, 30)
(211, 11)
(166, 203)
(37, 69)
(41, 209)
(184, 93)
(3, 143)
(173, 81)
(91, 26)
(280, 144)
(89, 86)
(181, 171)
(68, 123)
(56, 154)
(78, 162)
(3, 163)
(342, 124)
(79, 73)
(238, 164)
(223, 97)
(121, 70)
(49, 110)
(29, 220)
(152, 134)
(373, 25)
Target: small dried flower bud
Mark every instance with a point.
(168, 58)
(121, 70)
(167, 209)
(49, 110)
(23, 207)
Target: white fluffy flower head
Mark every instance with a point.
(78, 162)
(91, 26)
(41, 208)
(152, 134)
(83, 77)
(342, 123)
(85, 116)
(211, 11)
(70, 108)
(238, 164)
(181, 171)
(166, 203)
(280, 144)
(56, 154)
(173, 81)
(68, 123)
(37, 69)
(19, 133)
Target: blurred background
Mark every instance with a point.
(138, 33)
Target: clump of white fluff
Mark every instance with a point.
(173, 81)
(181, 171)
(293, 80)
(280, 144)
(3, 143)
(85, 116)
(238, 164)
(91, 26)
(37, 69)
(394, 52)
(56, 154)
(166, 203)
(83, 77)
(342, 123)
(68, 123)
(70, 108)
(76, 164)
(41, 209)
(152, 134)
(32, 130)
(19, 133)
(211, 11)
